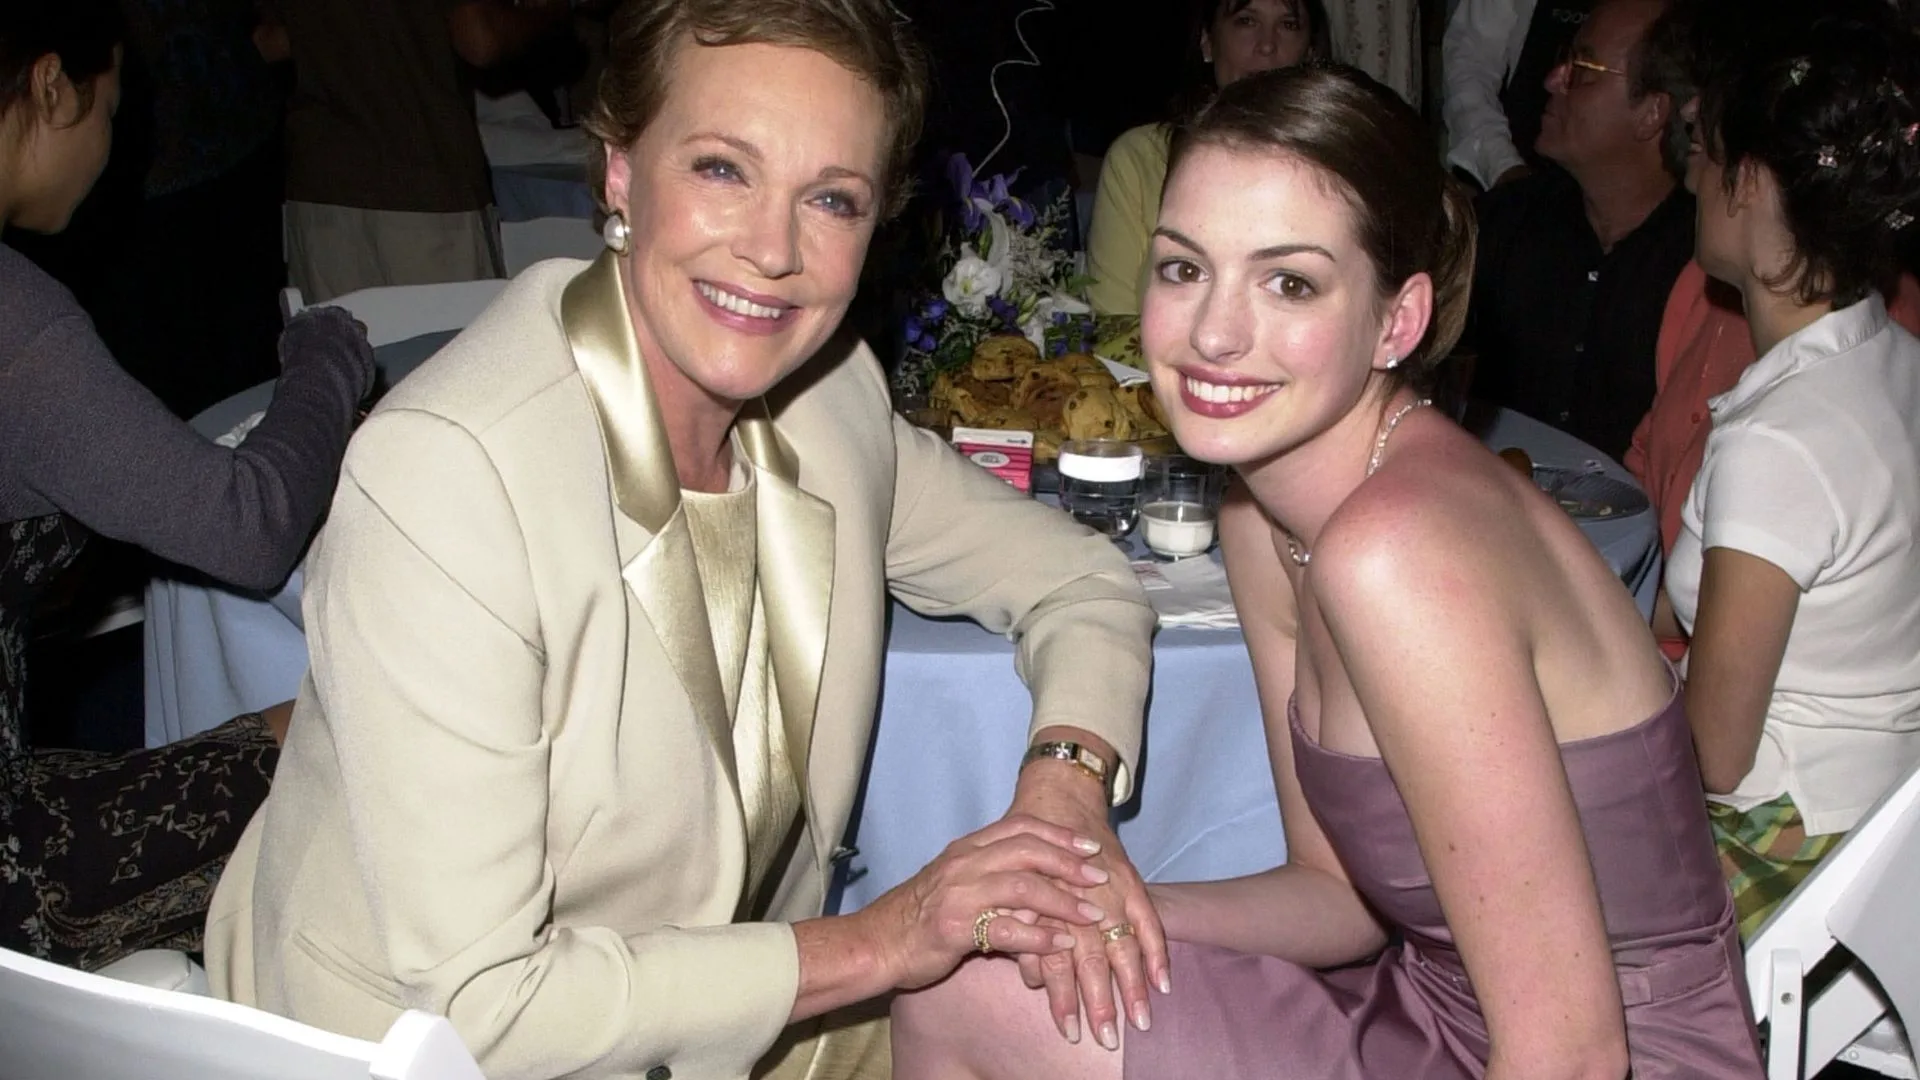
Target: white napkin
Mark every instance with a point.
(1122, 374)
(1190, 592)
(240, 431)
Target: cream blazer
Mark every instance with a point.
(508, 794)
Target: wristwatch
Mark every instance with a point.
(1077, 755)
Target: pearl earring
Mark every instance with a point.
(615, 233)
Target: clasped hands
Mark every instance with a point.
(1050, 886)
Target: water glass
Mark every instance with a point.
(1179, 505)
(1100, 484)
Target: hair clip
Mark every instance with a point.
(1908, 133)
(1827, 159)
(1799, 70)
(1898, 219)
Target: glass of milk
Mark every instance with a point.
(1179, 503)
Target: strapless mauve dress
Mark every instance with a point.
(1411, 1013)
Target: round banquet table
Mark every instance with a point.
(953, 714)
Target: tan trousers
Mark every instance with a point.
(333, 250)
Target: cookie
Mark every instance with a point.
(1002, 356)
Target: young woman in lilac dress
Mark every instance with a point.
(1500, 864)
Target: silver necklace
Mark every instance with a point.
(1297, 551)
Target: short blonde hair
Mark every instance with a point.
(863, 36)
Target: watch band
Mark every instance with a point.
(1079, 756)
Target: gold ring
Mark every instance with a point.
(980, 930)
(1114, 933)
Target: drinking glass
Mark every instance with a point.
(1100, 484)
(1179, 504)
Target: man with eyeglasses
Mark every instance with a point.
(1494, 60)
(1575, 263)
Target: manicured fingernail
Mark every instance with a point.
(1166, 982)
(1073, 1030)
(1062, 942)
(1094, 874)
(1142, 1019)
(1109, 1038)
(1090, 912)
(1091, 847)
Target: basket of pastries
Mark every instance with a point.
(1009, 386)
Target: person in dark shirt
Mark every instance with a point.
(1574, 268)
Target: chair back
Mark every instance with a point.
(398, 312)
(1844, 881)
(1875, 919)
(57, 1023)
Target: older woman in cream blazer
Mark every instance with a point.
(590, 696)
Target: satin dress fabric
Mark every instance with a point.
(1411, 1011)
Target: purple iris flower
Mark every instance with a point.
(935, 310)
(1020, 212)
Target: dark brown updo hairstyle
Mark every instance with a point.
(1827, 99)
(82, 33)
(1409, 216)
(863, 36)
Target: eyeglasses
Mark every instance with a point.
(1582, 71)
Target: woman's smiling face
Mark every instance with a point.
(750, 200)
(1262, 317)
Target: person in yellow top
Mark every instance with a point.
(1235, 38)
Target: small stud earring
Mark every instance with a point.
(615, 233)
(1393, 362)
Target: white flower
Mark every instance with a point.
(1036, 325)
(971, 281)
(1000, 244)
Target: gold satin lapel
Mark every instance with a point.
(795, 541)
(663, 575)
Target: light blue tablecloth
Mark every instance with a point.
(953, 715)
(953, 726)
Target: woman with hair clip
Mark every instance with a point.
(1232, 39)
(1794, 576)
(105, 854)
(1499, 862)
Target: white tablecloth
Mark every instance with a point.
(539, 171)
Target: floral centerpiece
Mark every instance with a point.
(1005, 270)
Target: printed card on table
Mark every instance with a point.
(1006, 454)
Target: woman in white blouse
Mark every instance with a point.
(1795, 573)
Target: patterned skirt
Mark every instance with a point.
(102, 855)
(1766, 854)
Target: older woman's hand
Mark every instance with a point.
(1127, 948)
(926, 925)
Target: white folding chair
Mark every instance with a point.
(523, 243)
(1860, 899)
(398, 312)
(58, 1024)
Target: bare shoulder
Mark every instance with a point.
(1440, 527)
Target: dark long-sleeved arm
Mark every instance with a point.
(79, 434)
